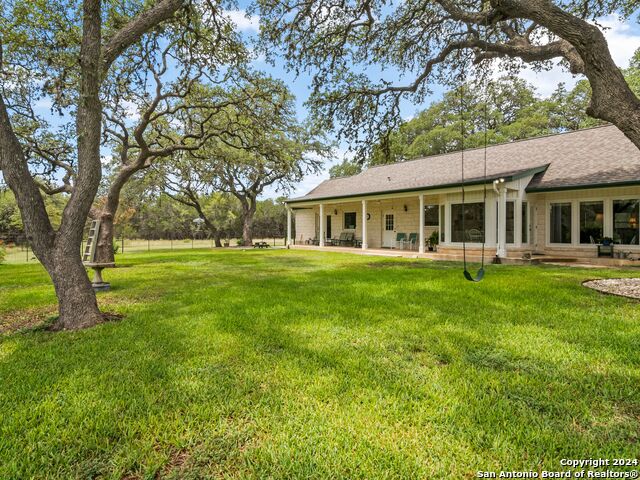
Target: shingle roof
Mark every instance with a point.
(597, 156)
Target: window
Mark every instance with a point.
(431, 216)
(591, 222)
(349, 220)
(442, 226)
(525, 222)
(388, 222)
(625, 221)
(560, 223)
(473, 222)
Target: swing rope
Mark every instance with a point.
(480, 273)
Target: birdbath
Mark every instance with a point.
(98, 284)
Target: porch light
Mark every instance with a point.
(405, 208)
(335, 211)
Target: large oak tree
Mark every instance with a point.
(64, 51)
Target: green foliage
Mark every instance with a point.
(270, 220)
(11, 228)
(3, 251)
(513, 112)
(345, 169)
(293, 364)
(434, 238)
(10, 221)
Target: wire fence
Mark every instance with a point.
(124, 246)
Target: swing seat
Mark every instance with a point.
(478, 278)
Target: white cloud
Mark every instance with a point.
(244, 22)
(623, 42)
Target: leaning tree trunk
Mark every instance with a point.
(107, 215)
(106, 236)
(77, 301)
(59, 251)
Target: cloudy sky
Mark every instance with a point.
(623, 38)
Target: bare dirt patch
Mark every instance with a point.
(26, 319)
(624, 287)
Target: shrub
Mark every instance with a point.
(434, 238)
(3, 251)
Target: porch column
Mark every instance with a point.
(421, 226)
(321, 240)
(501, 251)
(364, 225)
(288, 226)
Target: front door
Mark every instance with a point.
(388, 230)
(328, 229)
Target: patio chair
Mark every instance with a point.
(400, 239)
(346, 239)
(475, 235)
(412, 241)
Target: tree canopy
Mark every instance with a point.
(514, 111)
(350, 46)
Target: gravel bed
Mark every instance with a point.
(626, 287)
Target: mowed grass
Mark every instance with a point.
(292, 364)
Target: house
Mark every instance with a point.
(553, 195)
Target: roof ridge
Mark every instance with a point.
(520, 140)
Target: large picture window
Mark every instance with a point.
(442, 227)
(626, 214)
(591, 222)
(560, 223)
(473, 222)
(431, 216)
(525, 222)
(349, 220)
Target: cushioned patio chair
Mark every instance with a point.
(412, 242)
(475, 235)
(401, 238)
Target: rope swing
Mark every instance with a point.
(480, 273)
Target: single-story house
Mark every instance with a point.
(556, 195)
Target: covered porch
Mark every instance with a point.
(431, 222)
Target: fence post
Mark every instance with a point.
(148, 245)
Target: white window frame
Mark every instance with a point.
(604, 219)
(613, 198)
(574, 219)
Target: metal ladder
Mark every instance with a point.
(89, 254)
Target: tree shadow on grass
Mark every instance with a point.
(247, 361)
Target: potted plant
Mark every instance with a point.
(434, 238)
(606, 241)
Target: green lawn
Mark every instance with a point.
(291, 364)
